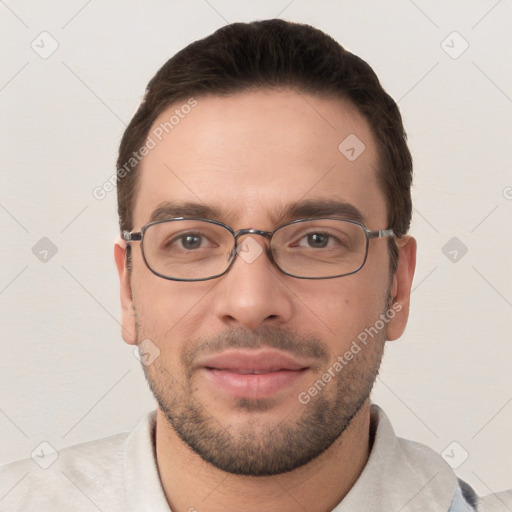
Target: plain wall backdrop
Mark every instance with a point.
(73, 73)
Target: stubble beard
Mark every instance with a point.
(255, 447)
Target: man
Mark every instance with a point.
(264, 203)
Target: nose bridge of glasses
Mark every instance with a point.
(252, 231)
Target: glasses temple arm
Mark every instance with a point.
(380, 233)
(131, 237)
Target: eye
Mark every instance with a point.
(319, 240)
(188, 242)
(315, 240)
(191, 241)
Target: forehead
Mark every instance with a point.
(251, 155)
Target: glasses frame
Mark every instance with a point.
(138, 236)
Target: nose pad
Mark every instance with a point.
(268, 251)
(232, 254)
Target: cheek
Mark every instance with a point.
(168, 311)
(341, 309)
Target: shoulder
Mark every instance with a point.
(82, 477)
(497, 502)
(420, 469)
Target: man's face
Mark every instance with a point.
(237, 352)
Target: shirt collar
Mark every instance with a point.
(144, 492)
(400, 475)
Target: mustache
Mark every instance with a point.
(304, 346)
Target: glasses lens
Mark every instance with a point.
(319, 248)
(187, 249)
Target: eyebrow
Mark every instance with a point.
(317, 208)
(169, 210)
(311, 208)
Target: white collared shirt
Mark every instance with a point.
(120, 473)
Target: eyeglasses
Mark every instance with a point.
(183, 249)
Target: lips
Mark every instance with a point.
(252, 374)
(261, 361)
(245, 372)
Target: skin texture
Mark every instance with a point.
(249, 156)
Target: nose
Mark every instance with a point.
(253, 292)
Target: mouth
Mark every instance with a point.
(247, 372)
(252, 374)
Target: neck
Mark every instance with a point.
(191, 484)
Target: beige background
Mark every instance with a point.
(65, 374)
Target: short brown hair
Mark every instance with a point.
(275, 54)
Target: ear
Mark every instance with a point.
(129, 330)
(401, 287)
